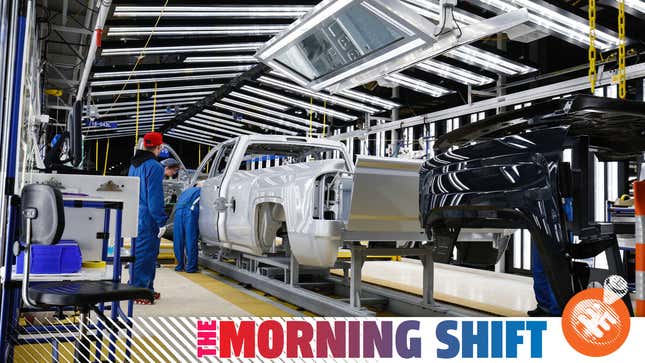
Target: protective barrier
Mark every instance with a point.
(639, 209)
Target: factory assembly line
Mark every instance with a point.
(189, 181)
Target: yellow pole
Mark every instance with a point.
(96, 163)
(154, 107)
(136, 128)
(107, 150)
(199, 154)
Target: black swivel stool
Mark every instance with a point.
(43, 222)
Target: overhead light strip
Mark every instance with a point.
(233, 47)
(159, 89)
(187, 138)
(222, 59)
(418, 85)
(284, 116)
(248, 11)
(254, 29)
(207, 126)
(260, 101)
(318, 95)
(373, 100)
(214, 121)
(211, 118)
(304, 105)
(157, 72)
(487, 60)
(191, 134)
(164, 79)
(457, 74)
(261, 116)
(249, 122)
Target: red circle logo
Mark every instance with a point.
(596, 322)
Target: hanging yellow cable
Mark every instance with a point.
(154, 107)
(136, 117)
(107, 150)
(311, 116)
(140, 57)
(592, 45)
(199, 153)
(622, 72)
(324, 119)
(96, 163)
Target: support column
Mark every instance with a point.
(294, 271)
(428, 277)
(639, 211)
(357, 261)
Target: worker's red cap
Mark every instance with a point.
(152, 139)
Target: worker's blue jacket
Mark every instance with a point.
(151, 216)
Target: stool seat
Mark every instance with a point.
(84, 293)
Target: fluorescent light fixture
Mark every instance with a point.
(248, 11)
(171, 95)
(261, 116)
(210, 116)
(638, 5)
(554, 20)
(487, 60)
(260, 125)
(116, 82)
(300, 104)
(159, 89)
(373, 100)
(191, 139)
(222, 59)
(232, 47)
(253, 29)
(318, 95)
(158, 113)
(132, 113)
(260, 101)
(144, 105)
(284, 116)
(342, 44)
(203, 133)
(191, 129)
(173, 71)
(418, 85)
(214, 128)
(457, 74)
(214, 121)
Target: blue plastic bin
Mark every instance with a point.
(62, 258)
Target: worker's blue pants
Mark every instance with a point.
(185, 234)
(543, 293)
(146, 251)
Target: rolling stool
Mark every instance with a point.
(43, 222)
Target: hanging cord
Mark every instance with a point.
(136, 126)
(140, 57)
(96, 163)
(107, 150)
(154, 107)
(311, 116)
(592, 46)
(199, 154)
(324, 118)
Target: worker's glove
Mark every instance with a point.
(162, 231)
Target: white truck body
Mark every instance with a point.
(251, 198)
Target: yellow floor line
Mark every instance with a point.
(243, 301)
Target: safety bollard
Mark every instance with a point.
(639, 211)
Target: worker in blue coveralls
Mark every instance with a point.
(547, 303)
(186, 230)
(152, 217)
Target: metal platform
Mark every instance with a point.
(316, 290)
